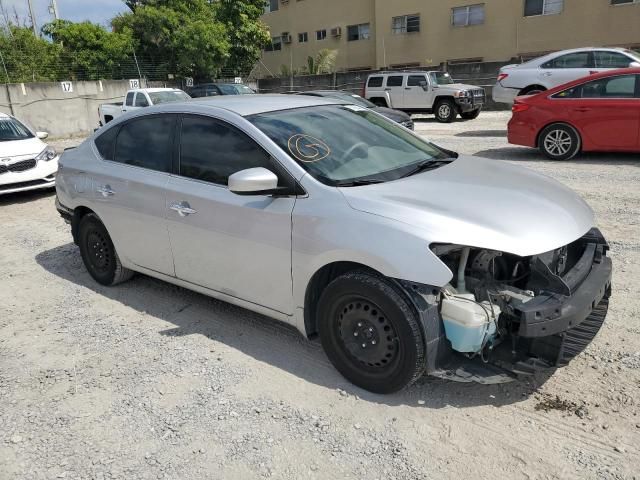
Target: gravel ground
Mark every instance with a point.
(148, 380)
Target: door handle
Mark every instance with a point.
(407, 88)
(183, 208)
(547, 74)
(106, 191)
(582, 109)
(387, 89)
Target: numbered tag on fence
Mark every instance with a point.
(188, 81)
(67, 87)
(134, 84)
(237, 80)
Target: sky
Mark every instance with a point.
(97, 11)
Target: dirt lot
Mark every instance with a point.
(148, 380)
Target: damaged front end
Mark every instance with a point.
(504, 315)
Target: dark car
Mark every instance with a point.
(215, 89)
(395, 115)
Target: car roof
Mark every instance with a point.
(245, 105)
(153, 90)
(551, 55)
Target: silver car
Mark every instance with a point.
(404, 258)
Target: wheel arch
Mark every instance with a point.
(78, 213)
(529, 88)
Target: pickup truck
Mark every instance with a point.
(140, 98)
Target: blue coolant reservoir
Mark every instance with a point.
(468, 324)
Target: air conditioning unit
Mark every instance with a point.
(286, 38)
(336, 31)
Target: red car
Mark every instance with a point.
(596, 113)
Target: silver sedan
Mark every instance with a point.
(404, 258)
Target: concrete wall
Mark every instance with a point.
(47, 107)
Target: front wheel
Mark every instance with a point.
(98, 253)
(559, 142)
(370, 332)
(472, 115)
(445, 111)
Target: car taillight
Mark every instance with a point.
(502, 76)
(520, 107)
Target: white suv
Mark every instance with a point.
(425, 92)
(557, 68)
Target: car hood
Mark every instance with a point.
(481, 203)
(390, 113)
(20, 148)
(458, 86)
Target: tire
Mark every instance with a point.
(361, 308)
(534, 90)
(472, 115)
(559, 141)
(98, 253)
(380, 102)
(445, 111)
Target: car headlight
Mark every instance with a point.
(47, 154)
(463, 93)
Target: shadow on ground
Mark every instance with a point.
(533, 155)
(268, 340)
(483, 133)
(25, 197)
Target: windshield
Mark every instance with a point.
(339, 144)
(237, 89)
(352, 98)
(11, 129)
(168, 96)
(441, 78)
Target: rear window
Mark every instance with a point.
(375, 82)
(105, 143)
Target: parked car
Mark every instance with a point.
(558, 68)
(140, 98)
(26, 162)
(395, 115)
(425, 92)
(597, 113)
(402, 257)
(215, 89)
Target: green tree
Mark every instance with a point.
(323, 62)
(247, 34)
(179, 36)
(88, 51)
(26, 57)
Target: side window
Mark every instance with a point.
(211, 150)
(106, 142)
(141, 100)
(617, 87)
(375, 82)
(416, 80)
(571, 60)
(147, 142)
(611, 60)
(395, 81)
(129, 101)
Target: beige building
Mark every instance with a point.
(371, 34)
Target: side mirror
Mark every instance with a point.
(42, 135)
(253, 181)
(425, 86)
(634, 65)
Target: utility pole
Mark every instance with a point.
(53, 9)
(33, 18)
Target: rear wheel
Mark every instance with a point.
(445, 111)
(98, 253)
(532, 90)
(472, 115)
(370, 332)
(559, 142)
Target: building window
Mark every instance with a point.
(469, 15)
(303, 37)
(321, 34)
(275, 45)
(405, 24)
(272, 6)
(358, 32)
(623, 2)
(542, 7)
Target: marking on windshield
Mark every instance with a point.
(308, 149)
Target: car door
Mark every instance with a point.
(130, 189)
(566, 68)
(128, 102)
(608, 59)
(395, 88)
(608, 112)
(237, 245)
(417, 93)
